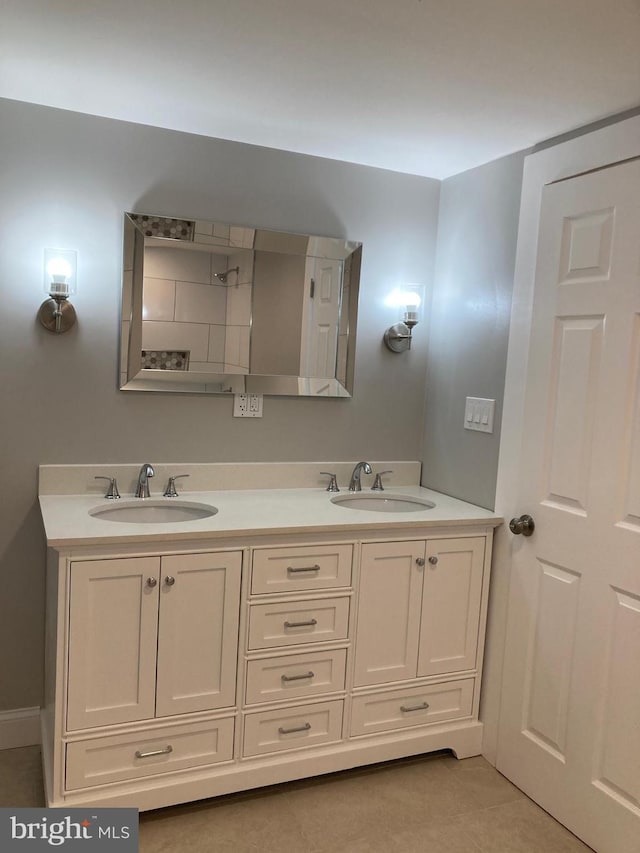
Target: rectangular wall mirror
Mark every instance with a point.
(214, 308)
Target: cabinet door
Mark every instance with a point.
(113, 620)
(451, 605)
(388, 612)
(198, 632)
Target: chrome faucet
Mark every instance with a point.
(354, 482)
(142, 489)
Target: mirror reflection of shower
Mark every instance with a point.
(222, 276)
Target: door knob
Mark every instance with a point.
(525, 525)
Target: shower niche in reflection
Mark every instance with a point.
(214, 308)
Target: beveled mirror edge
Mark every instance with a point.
(229, 383)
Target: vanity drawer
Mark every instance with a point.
(275, 731)
(137, 754)
(293, 676)
(295, 622)
(278, 570)
(413, 706)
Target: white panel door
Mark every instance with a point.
(389, 604)
(321, 313)
(451, 605)
(198, 632)
(113, 620)
(570, 715)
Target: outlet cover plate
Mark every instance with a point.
(247, 406)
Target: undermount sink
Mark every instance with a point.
(145, 511)
(383, 503)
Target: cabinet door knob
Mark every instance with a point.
(169, 580)
(420, 561)
(433, 560)
(152, 582)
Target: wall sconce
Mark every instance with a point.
(409, 300)
(57, 314)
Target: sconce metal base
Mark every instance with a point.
(57, 315)
(398, 337)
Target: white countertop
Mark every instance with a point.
(67, 521)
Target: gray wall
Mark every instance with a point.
(469, 325)
(65, 181)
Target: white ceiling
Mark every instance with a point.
(428, 87)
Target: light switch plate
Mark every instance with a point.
(247, 406)
(478, 414)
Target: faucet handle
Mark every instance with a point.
(333, 482)
(112, 492)
(170, 491)
(377, 483)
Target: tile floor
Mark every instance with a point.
(431, 804)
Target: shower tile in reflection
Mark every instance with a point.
(200, 303)
(177, 336)
(239, 305)
(158, 300)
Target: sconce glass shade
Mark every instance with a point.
(57, 314)
(408, 300)
(60, 272)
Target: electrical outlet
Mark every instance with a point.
(255, 405)
(247, 406)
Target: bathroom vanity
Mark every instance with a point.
(283, 636)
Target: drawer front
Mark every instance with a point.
(275, 731)
(296, 622)
(414, 706)
(278, 570)
(138, 754)
(293, 676)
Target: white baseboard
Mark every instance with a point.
(19, 728)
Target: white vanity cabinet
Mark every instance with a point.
(177, 670)
(141, 668)
(419, 616)
(151, 637)
(419, 608)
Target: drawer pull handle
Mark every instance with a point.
(303, 728)
(286, 678)
(309, 623)
(154, 752)
(407, 709)
(295, 569)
